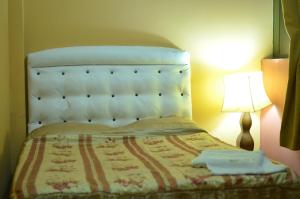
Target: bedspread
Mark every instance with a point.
(94, 166)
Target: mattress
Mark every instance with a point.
(77, 162)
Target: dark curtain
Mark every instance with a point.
(290, 127)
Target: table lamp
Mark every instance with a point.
(244, 92)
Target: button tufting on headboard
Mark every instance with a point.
(111, 85)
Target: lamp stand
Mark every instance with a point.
(245, 140)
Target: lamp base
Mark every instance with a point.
(245, 140)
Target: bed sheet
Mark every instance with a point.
(96, 166)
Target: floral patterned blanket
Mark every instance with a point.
(95, 165)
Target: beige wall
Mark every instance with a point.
(233, 34)
(4, 99)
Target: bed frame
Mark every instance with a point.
(115, 86)
(110, 85)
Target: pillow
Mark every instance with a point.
(162, 126)
(145, 127)
(69, 128)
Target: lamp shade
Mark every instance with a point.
(244, 92)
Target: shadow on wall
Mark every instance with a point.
(5, 173)
(99, 37)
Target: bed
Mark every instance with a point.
(115, 122)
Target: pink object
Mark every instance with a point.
(275, 73)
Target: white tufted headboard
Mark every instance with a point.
(111, 85)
